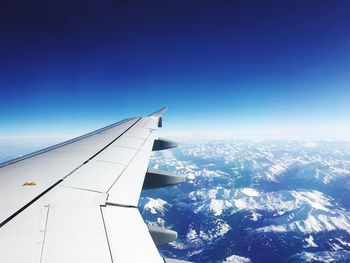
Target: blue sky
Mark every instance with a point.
(266, 68)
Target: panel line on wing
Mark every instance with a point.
(120, 205)
(84, 189)
(126, 147)
(105, 228)
(43, 244)
(105, 161)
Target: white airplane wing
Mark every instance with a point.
(77, 201)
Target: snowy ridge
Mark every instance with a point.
(266, 194)
(270, 160)
(324, 256)
(313, 223)
(251, 199)
(300, 211)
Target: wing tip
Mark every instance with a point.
(159, 112)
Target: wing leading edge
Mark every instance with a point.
(77, 201)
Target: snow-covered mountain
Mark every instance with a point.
(264, 201)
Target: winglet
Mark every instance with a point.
(158, 113)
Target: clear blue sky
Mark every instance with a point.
(71, 66)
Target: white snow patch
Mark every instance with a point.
(191, 176)
(316, 199)
(155, 205)
(255, 216)
(344, 243)
(212, 193)
(177, 245)
(310, 242)
(249, 191)
(221, 229)
(192, 234)
(161, 222)
(236, 259)
(218, 206)
(276, 170)
(335, 246)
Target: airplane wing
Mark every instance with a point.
(77, 201)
